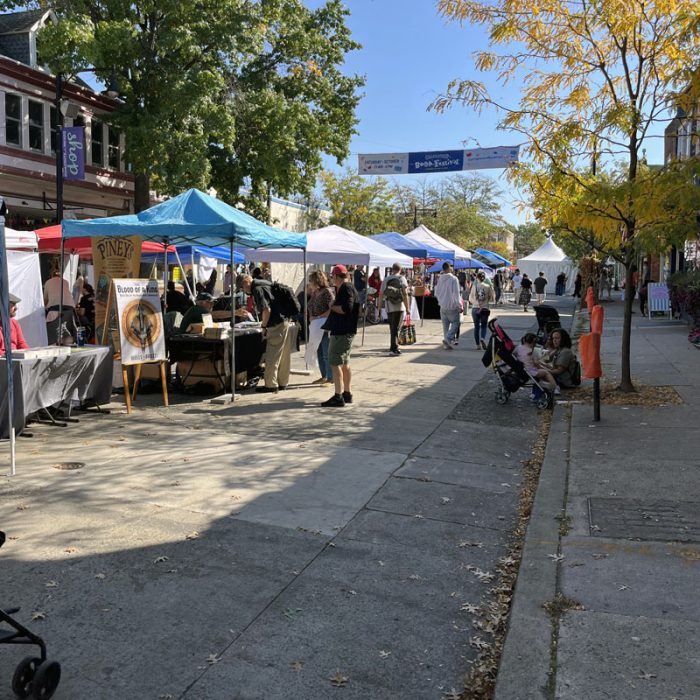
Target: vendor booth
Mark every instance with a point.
(407, 246)
(422, 234)
(197, 219)
(552, 260)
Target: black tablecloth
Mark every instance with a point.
(85, 374)
(432, 308)
(190, 348)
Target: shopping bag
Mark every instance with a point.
(407, 334)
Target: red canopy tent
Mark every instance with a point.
(50, 242)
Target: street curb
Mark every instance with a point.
(525, 663)
(524, 669)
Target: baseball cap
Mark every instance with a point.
(339, 270)
(204, 296)
(14, 299)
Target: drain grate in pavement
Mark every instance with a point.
(668, 521)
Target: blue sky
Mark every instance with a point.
(409, 56)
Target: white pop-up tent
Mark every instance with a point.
(24, 278)
(334, 244)
(422, 234)
(552, 260)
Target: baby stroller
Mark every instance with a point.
(511, 373)
(547, 321)
(35, 676)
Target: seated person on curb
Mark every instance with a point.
(525, 352)
(204, 305)
(17, 341)
(560, 358)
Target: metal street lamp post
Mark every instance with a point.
(111, 91)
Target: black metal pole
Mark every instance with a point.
(59, 149)
(596, 399)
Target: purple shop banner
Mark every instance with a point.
(73, 141)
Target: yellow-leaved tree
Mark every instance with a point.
(599, 79)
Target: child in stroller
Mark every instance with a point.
(504, 358)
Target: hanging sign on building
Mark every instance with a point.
(437, 161)
(73, 143)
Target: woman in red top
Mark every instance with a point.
(375, 280)
(17, 341)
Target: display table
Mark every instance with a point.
(415, 313)
(209, 359)
(85, 374)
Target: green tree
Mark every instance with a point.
(597, 78)
(528, 238)
(291, 104)
(217, 92)
(363, 205)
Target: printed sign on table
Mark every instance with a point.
(140, 321)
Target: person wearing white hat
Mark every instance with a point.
(17, 341)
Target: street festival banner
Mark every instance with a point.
(73, 142)
(437, 161)
(112, 257)
(141, 329)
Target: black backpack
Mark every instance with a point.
(393, 292)
(575, 371)
(286, 300)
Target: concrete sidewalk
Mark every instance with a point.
(273, 549)
(612, 545)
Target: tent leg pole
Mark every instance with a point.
(59, 331)
(306, 313)
(5, 330)
(233, 325)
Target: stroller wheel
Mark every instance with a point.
(546, 400)
(46, 680)
(24, 675)
(502, 397)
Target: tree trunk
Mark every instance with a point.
(626, 369)
(142, 192)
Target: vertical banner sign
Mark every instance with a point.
(112, 257)
(141, 331)
(73, 142)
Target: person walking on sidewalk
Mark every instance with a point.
(394, 292)
(480, 297)
(342, 324)
(525, 291)
(516, 279)
(448, 297)
(275, 329)
(540, 286)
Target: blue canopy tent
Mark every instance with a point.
(192, 217)
(401, 244)
(193, 254)
(492, 258)
(470, 264)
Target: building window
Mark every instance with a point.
(97, 142)
(13, 119)
(113, 149)
(36, 126)
(53, 119)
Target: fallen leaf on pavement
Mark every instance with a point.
(159, 560)
(339, 680)
(296, 666)
(38, 615)
(384, 654)
(194, 535)
(213, 659)
(51, 584)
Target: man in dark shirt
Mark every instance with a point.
(176, 301)
(275, 327)
(540, 284)
(360, 282)
(342, 324)
(204, 305)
